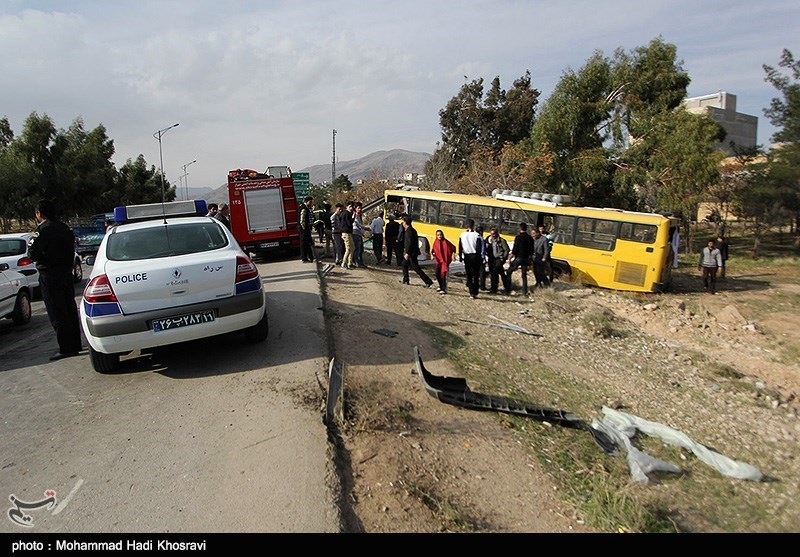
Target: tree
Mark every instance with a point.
(136, 184)
(572, 127)
(342, 183)
(784, 113)
(16, 174)
(471, 121)
(85, 171)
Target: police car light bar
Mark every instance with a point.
(191, 207)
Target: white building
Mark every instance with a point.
(741, 128)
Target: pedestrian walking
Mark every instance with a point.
(400, 243)
(520, 258)
(411, 253)
(469, 251)
(497, 252)
(52, 247)
(444, 252)
(710, 261)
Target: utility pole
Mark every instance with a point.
(333, 159)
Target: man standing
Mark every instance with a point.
(548, 266)
(710, 261)
(328, 229)
(376, 227)
(348, 219)
(722, 246)
(541, 255)
(306, 230)
(224, 215)
(358, 234)
(52, 247)
(337, 227)
(392, 231)
(482, 268)
(470, 249)
(521, 257)
(212, 210)
(411, 253)
(497, 251)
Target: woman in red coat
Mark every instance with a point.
(444, 252)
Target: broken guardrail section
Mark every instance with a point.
(454, 390)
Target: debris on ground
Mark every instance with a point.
(386, 332)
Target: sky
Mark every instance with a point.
(257, 83)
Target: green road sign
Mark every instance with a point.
(300, 180)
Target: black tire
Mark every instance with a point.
(77, 271)
(103, 363)
(259, 331)
(22, 308)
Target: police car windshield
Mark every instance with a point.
(164, 241)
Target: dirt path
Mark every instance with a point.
(720, 368)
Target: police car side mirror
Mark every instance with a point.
(3, 267)
(89, 260)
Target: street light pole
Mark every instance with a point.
(186, 177)
(158, 135)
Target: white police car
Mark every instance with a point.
(163, 277)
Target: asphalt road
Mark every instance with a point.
(216, 435)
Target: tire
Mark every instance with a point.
(259, 331)
(77, 271)
(22, 308)
(103, 363)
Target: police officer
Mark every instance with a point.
(52, 247)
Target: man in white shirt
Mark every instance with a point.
(470, 250)
(376, 227)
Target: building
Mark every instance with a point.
(741, 128)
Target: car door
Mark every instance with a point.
(8, 294)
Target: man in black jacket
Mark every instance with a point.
(52, 247)
(306, 230)
(411, 252)
(497, 252)
(521, 254)
(390, 234)
(337, 227)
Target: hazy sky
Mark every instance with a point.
(257, 83)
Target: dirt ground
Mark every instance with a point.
(723, 369)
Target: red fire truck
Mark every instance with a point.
(264, 209)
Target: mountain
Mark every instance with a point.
(383, 164)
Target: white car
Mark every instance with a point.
(14, 252)
(169, 279)
(15, 296)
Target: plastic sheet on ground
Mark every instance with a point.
(622, 427)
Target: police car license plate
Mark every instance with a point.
(168, 323)
(269, 245)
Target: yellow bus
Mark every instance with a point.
(610, 248)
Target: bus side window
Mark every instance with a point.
(453, 214)
(596, 233)
(509, 222)
(562, 229)
(423, 210)
(548, 221)
(484, 216)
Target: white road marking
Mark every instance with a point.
(65, 500)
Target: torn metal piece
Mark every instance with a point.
(334, 407)
(386, 332)
(504, 325)
(454, 390)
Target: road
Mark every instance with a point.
(211, 436)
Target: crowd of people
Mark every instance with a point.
(342, 231)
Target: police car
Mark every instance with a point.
(167, 275)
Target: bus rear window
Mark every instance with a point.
(645, 233)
